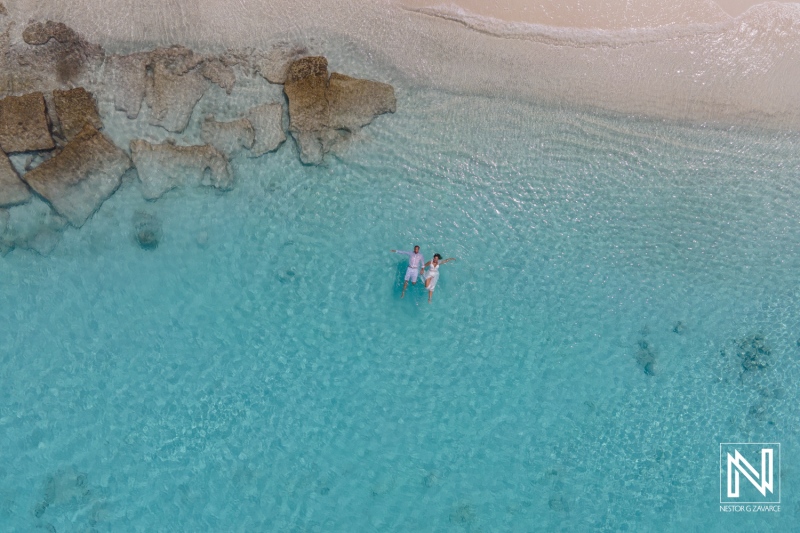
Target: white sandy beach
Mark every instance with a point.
(687, 60)
(602, 14)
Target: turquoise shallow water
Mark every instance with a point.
(271, 378)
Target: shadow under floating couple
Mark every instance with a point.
(417, 266)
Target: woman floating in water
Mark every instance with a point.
(432, 276)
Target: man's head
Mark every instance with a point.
(416, 249)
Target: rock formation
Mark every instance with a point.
(32, 226)
(12, 190)
(172, 79)
(74, 168)
(267, 121)
(75, 108)
(306, 87)
(274, 66)
(646, 357)
(81, 177)
(128, 81)
(162, 167)
(176, 86)
(23, 124)
(52, 56)
(323, 112)
(754, 352)
(218, 72)
(228, 137)
(146, 230)
(40, 33)
(353, 103)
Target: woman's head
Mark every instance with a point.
(437, 257)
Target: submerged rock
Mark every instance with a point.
(32, 226)
(753, 352)
(218, 72)
(13, 190)
(558, 503)
(172, 80)
(324, 112)
(65, 487)
(306, 87)
(59, 56)
(23, 124)
(310, 146)
(176, 87)
(128, 81)
(274, 66)
(162, 167)
(228, 137)
(353, 102)
(41, 32)
(646, 357)
(146, 230)
(75, 108)
(267, 121)
(81, 177)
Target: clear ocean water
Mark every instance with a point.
(576, 370)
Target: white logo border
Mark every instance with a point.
(722, 472)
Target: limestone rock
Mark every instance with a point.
(227, 137)
(32, 226)
(162, 167)
(312, 152)
(81, 177)
(754, 352)
(23, 124)
(146, 230)
(267, 121)
(353, 103)
(177, 85)
(306, 86)
(218, 72)
(60, 55)
(35, 159)
(177, 59)
(128, 81)
(12, 190)
(324, 112)
(75, 108)
(3, 10)
(274, 66)
(41, 32)
(314, 145)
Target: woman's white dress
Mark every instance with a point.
(432, 274)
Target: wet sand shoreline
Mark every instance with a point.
(702, 67)
(605, 15)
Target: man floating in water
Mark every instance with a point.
(415, 263)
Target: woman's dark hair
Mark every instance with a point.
(438, 256)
